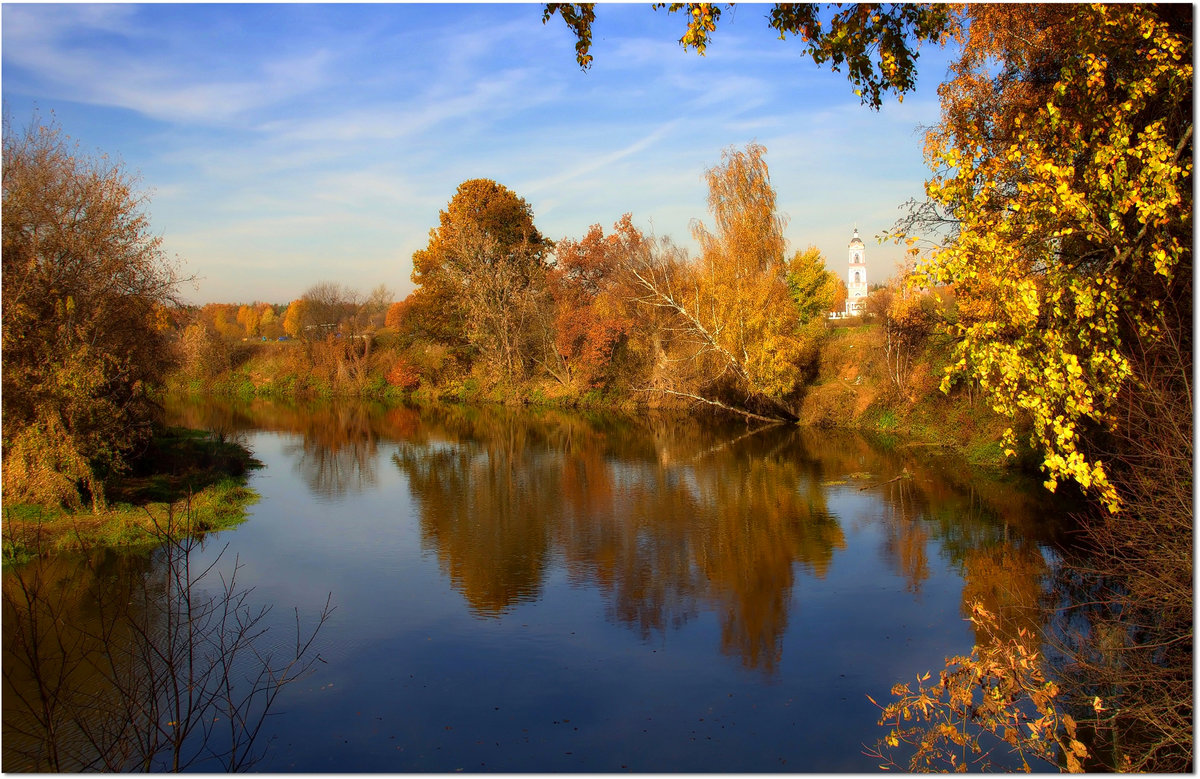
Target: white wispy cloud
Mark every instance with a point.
(290, 144)
(598, 162)
(68, 61)
(497, 95)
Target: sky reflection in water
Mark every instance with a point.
(528, 591)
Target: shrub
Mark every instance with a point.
(403, 374)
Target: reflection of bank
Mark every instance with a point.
(726, 530)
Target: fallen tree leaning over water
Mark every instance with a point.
(736, 337)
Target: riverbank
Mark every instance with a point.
(858, 386)
(187, 482)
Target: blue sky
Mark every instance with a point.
(282, 145)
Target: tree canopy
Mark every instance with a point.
(742, 343)
(877, 43)
(84, 282)
(592, 320)
(483, 267)
(1066, 176)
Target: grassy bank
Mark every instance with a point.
(186, 483)
(858, 385)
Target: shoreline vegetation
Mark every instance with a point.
(186, 483)
(850, 390)
(195, 481)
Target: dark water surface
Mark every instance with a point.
(550, 591)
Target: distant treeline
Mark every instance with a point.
(501, 308)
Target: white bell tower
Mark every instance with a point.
(856, 276)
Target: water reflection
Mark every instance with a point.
(337, 450)
(484, 510)
(57, 699)
(668, 517)
(118, 661)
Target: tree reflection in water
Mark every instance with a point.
(337, 450)
(120, 661)
(668, 516)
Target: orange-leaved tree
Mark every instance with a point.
(485, 267)
(589, 286)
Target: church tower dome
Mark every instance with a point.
(856, 276)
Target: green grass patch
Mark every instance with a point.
(887, 421)
(986, 453)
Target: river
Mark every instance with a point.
(554, 591)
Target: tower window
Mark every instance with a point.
(857, 278)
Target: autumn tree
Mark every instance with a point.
(1068, 178)
(269, 322)
(223, 319)
(395, 314)
(906, 318)
(590, 287)
(293, 318)
(249, 318)
(1061, 212)
(429, 314)
(744, 346)
(814, 289)
(326, 304)
(83, 277)
(484, 268)
(202, 354)
(364, 316)
(877, 43)
(424, 356)
(320, 311)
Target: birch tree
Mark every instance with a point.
(743, 345)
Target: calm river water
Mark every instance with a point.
(551, 591)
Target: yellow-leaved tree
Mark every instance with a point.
(814, 289)
(1063, 181)
(744, 344)
(1067, 172)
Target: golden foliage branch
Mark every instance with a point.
(1000, 690)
